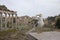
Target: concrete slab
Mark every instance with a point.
(53, 35)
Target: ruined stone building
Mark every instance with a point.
(24, 20)
(8, 18)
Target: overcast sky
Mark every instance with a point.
(33, 7)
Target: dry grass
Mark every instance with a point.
(43, 29)
(6, 32)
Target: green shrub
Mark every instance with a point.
(57, 25)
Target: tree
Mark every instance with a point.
(58, 23)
